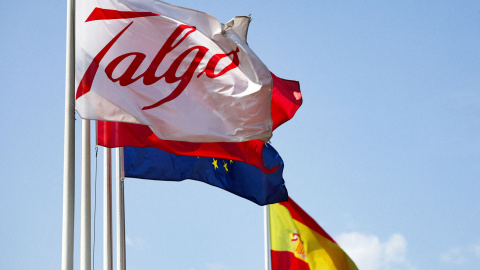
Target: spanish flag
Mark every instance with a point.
(299, 243)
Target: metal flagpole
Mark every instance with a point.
(268, 258)
(107, 209)
(69, 143)
(85, 201)
(121, 263)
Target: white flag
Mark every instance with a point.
(179, 71)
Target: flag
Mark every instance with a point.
(298, 242)
(179, 71)
(286, 99)
(239, 178)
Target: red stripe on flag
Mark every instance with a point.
(286, 99)
(114, 134)
(299, 215)
(110, 14)
(285, 260)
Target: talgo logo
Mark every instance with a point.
(149, 77)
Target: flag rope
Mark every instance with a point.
(95, 207)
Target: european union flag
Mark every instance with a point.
(239, 178)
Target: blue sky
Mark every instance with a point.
(384, 153)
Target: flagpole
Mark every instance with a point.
(107, 209)
(121, 264)
(69, 143)
(268, 258)
(85, 201)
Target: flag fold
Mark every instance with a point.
(286, 99)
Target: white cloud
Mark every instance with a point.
(454, 256)
(369, 253)
(461, 255)
(476, 249)
(135, 241)
(216, 266)
(128, 241)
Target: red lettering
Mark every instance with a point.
(127, 77)
(149, 76)
(87, 80)
(170, 76)
(212, 64)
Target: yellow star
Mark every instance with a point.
(231, 161)
(225, 166)
(215, 165)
